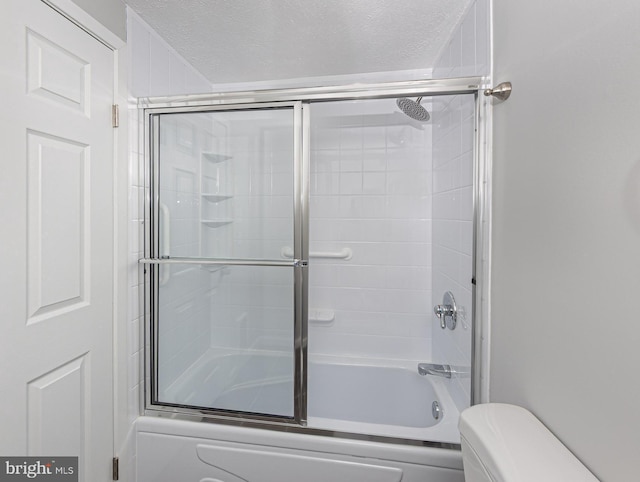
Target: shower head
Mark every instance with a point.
(413, 109)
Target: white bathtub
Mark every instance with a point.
(344, 394)
(367, 398)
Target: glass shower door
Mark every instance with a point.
(225, 251)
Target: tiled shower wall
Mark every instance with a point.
(370, 194)
(467, 52)
(453, 125)
(453, 156)
(252, 306)
(155, 69)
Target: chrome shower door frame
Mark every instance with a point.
(300, 98)
(154, 260)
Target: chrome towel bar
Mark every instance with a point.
(222, 262)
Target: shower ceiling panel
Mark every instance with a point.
(257, 40)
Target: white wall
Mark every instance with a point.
(110, 13)
(566, 224)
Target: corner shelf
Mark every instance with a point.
(214, 198)
(216, 223)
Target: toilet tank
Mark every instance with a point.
(506, 443)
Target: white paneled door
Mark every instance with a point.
(56, 239)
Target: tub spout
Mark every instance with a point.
(433, 369)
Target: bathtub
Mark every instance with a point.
(390, 406)
(359, 396)
(345, 394)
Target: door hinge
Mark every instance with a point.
(116, 468)
(115, 115)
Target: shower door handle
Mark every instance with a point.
(165, 243)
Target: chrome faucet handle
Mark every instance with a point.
(446, 310)
(441, 312)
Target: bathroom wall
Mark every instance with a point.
(566, 225)
(370, 193)
(453, 156)
(154, 69)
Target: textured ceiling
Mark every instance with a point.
(255, 40)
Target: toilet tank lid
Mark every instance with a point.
(513, 445)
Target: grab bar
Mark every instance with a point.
(344, 253)
(165, 248)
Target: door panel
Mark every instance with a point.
(55, 73)
(54, 418)
(225, 321)
(56, 198)
(58, 241)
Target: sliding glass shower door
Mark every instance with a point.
(298, 241)
(225, 257)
